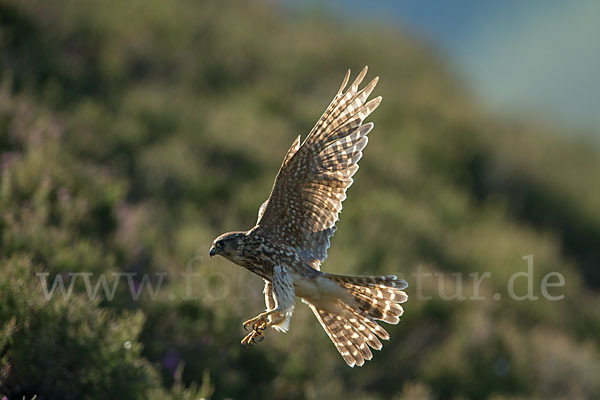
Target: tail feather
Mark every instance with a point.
(355, 330)
(334, 331)
(383, 310)
(378, 297)
(369, 323)
(382, 282)
(363, 349)
(392, 294)
(367, 333)
(353, 343)
(346, 337)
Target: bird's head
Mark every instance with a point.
(228, 245)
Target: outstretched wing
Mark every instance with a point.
(311, 184)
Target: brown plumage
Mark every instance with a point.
(290, 239)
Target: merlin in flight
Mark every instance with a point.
(290, 239)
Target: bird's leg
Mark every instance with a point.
(279, 297)
(253, 337)
(258, 321)
(259, 324)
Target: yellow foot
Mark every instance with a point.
(260, 321)
(256, 335)
(257, 325)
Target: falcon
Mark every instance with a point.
(295, 224)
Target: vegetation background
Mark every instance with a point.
(134, 132)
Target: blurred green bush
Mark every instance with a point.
(132, 133)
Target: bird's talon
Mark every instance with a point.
(248, 325)
(261, 324)
(256, 336)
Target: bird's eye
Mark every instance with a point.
(219, 244)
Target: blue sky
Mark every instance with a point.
(519, 56)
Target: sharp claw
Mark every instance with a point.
(248, 325)
(260, 325)
(256, 336)
(254, 323)
(256, 326)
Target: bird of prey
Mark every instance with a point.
(290, 239)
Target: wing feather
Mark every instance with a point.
(311, 185)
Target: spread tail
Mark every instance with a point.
(356, 330)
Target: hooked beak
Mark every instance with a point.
(213, 251)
